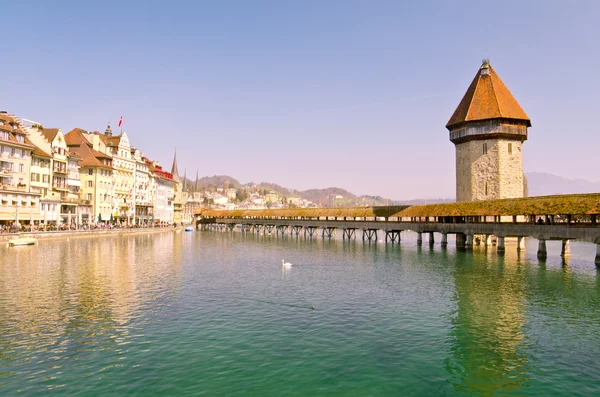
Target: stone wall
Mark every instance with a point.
(495, 174)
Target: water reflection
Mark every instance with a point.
(65, 300)
(487, 327)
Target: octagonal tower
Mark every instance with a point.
(488, 129)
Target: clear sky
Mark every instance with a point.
(353, 94)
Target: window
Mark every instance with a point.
(3, 135)
(90, 171)
(89, 196)
(486, 189)
(90, 183)
(21, 168)
(485, 148)
(45, 178)
(509, 148)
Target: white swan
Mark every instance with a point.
(285, 264)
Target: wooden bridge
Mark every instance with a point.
(564, 217)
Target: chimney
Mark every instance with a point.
(108, 131)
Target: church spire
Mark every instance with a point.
(174, 170)
(184, 179)
(196, 187)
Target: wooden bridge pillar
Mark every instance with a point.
(295, 230)
(500, 244)
(542, 253)
(310, 231)
(460, 241)
(369, 235)
(349, 234)
(520, 244)
(566, 249)
(597, 255)
(392, 236)
(444, 240)
(328, 232)
(419, 238)
(469, 242)
(431, 238)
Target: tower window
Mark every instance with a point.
(509, 148)
(486, 189)
(485, 148)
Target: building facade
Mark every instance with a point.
(488, 129)
(18, 204)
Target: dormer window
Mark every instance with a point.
(20, 138)
(3, 135)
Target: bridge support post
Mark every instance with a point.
(469, 242)
(520, 244)
(444, 240)
(369, 235)
(419, 238)
(566, 249)
(597, 255)
(500, 244)
(488, 239)
(542, 253)
(460, 241)
(349, 234)
(392, 236)
(431, 238)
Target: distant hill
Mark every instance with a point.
(544, 184)
(331, 196)
(216, 180)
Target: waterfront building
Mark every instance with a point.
(164, 191)
(40, 177)
(488, 129)
(123, 172)
(143, 203)
(18, 204)
(178, 198)
(96, 177)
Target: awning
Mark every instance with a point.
(73, 182)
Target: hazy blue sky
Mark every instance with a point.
(306, 94)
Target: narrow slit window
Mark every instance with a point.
(509, 148)
(485, 148)
(486, 189)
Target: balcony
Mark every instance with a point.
(69, 200)
(14, 188)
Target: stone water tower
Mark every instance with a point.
(488, 129)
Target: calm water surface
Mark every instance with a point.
(212, 313)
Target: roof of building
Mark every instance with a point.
(75, 137)
(37, 151)
(88, 156)
(50, 133)
(12, 125)
(487, 98)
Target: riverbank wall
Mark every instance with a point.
(87, 233)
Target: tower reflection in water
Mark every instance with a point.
(487, 354)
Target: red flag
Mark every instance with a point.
(120, 121)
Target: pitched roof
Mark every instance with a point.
(37, 151)
(88, 156)
(50, 133)
(487, 98)
(75, 137)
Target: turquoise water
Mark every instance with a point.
(212, 313)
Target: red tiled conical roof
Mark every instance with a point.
(487, 98)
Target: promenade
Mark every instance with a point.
(61, 234)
